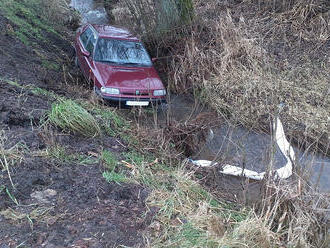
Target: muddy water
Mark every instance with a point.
(234, 145)
(92, 11)
(239, 146)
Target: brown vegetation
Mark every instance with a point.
(247, 57)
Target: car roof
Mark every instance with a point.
(107, 31)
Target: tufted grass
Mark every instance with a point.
(71, 117)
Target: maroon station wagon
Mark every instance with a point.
(118, 65)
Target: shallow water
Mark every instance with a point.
(239, 146)
(235, 145)
(91, 11)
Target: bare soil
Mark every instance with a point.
(53, 203)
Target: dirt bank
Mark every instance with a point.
(49, 197)
(61, 189)
(84, 210)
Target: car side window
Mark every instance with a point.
(91, 44)
(85, 36)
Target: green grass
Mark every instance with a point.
(181, 199)
(42, 92)
(50, 65)
(110, 120)
(60, 153)
(136, 157)
(117, 177)
(13, 83)
(26, 15)
(190, 236)
(34, 89)
(71, 117)
(109, 159)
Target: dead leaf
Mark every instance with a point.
(153, 163)
(93, 154)
(127, 164)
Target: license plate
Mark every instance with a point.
(136, 103)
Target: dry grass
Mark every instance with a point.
(9, 156)
(246, 58)
(296, 213)
(59, 12)
(189, 216)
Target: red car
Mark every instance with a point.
(118, 65)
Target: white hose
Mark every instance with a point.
(283, 173)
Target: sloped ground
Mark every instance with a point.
(47, 200)
(53, 194)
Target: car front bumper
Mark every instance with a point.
(129, 101)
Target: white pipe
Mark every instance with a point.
(283, 173)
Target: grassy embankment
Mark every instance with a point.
(38, 25)
(188, 215)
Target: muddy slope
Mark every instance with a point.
(47, 201)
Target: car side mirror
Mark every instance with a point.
(86, 53)
(154, 60)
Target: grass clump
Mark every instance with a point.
(117, 177)
(71, 117)
(61, 154)
(109, 159)
(42, 92)
(188, 216)
(111, 122)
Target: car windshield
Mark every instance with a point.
(121, 52)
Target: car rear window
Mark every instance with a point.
(121, 52)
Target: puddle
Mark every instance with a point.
(236, 145)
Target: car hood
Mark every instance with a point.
(128, 77)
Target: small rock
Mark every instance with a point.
(50, 193)
(44, 196)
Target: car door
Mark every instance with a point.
(88, 61)
(82, 49)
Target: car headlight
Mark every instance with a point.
(159, 92)
(110, 91)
